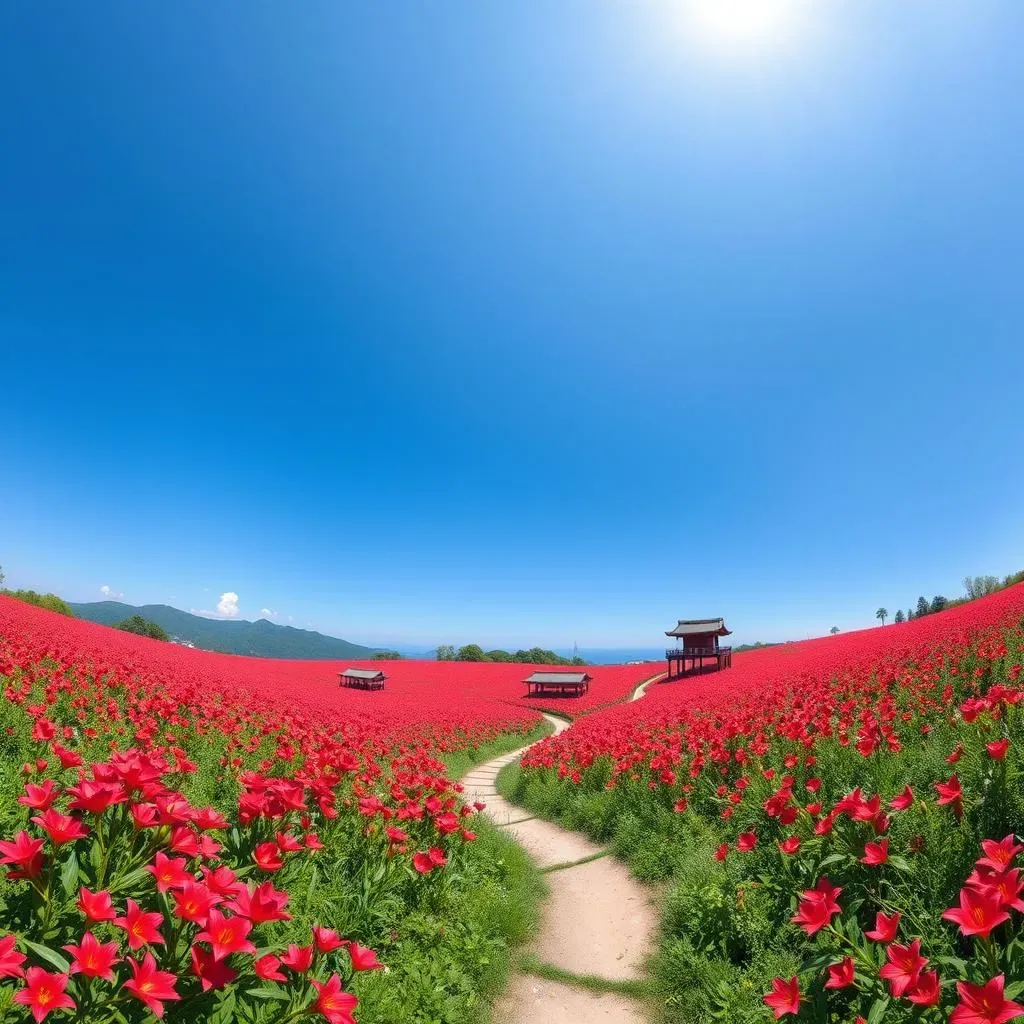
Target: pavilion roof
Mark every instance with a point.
(695, 627)
(363, 673)
(558, 677)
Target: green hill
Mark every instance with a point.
(262, 638)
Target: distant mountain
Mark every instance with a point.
(261, 639)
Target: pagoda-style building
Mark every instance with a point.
(697, 648)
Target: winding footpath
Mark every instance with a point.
(598, 919)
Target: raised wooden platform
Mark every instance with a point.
(683, 661)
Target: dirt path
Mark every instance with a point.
(598, 921)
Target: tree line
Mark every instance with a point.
(474, 652)
(974, 587)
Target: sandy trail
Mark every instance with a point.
(599, 920)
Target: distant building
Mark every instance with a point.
(697, 648)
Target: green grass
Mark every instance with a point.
(636, 988)
(562, 865)
(460, 762)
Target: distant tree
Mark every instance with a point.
(923, 607)
(385, 656)
(1009, 581)
(2, 576)
(51, 602)
(938, 603)
(834, 630)
(577, 660)
(445, 652)
(499, 655)
(910, 614)
(981, 586)
(470, 652)
(899, 617)
(142, 627)
(881, 614)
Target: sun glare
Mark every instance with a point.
(744, 24)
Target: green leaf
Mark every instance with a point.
(1014, 990)
(900, 863)
(51, 956)
(69, 875)
(224, 1012)
(268, 993)
(835, 858)
(878, 1008)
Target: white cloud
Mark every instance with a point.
(268, 614)
(110, 592)
(291, 618)
(227, 607)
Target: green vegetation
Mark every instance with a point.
(974, 587)
(261, 639)
(386, 656)
(49, 601)
(534, 656)
(142, 627)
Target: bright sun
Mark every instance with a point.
(744, 24)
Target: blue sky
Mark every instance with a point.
(545, 324)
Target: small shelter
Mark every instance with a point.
(557, 684)
(697, 648)
(362, 678)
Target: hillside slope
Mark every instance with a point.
(262, 638)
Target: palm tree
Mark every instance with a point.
(881, 614)
(834, 630)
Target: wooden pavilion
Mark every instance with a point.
(557, 684)
(697, 648)
(362, 678)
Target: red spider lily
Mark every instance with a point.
(93, 958)
(26, 853)
(61, 828)
(926, 991)
(904, 801)
(333, 1004)
(790, 846)
(997, 749)
(142, 926)
(979, 912)
(327, 939)
(876, 854)
(268, 857)
(43, 993)
(885, 928)
(817, 906)
(151, 986)
(984, 1004)
(363, 959)
(263, 903)
(226, 935)
(211, 972)
(950, 793)
(746, 841)
(904, 966)
(96, 906)
(784, 997)
(39, 798)
(194, 901)
(840, 975)
(422, 863)
(10, 959)
(269, 968)
(1001, 854)
(298, 958)
(722, 852)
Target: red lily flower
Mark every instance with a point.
(904, 966)
(885, 927)
(840, 975)
(363, 959)
(142, 926)
(10, 959)
(93, 958)
(150, 986)
(334, 1005)
(979, 912)
(44, 993)
(226, 935)
(784, 997)
(984, 1004)
(96, 906)
(61, 828)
